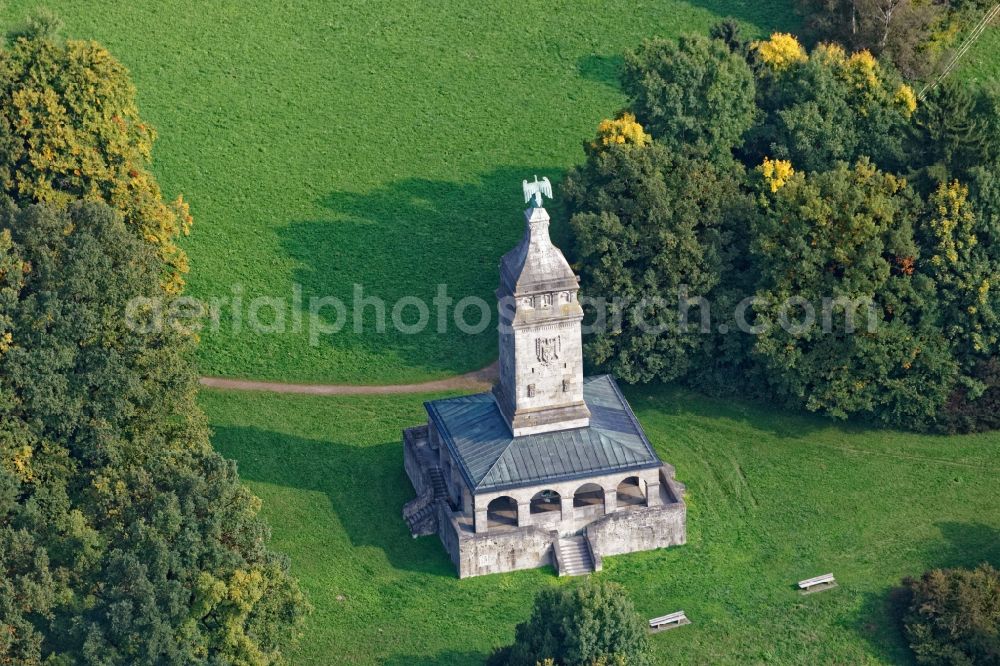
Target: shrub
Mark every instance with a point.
(953, 616)
(593, 624)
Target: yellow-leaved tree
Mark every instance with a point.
(70, 129)
(776, 172)
(828, 106)
(780, 52)
(623, 130)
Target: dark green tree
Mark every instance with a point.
(840, 245)
(652, 227)
(953, 616)
(828, 107)
(975, 406)
(691, 93)
(953, 133)
(594, 623)
(130, 540)
(730, 32)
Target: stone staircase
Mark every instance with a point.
(437, 481)
(421, 513)
(574, 557)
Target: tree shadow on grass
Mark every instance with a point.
(776, 420)
(403, 240)
(964, 545)
(765, 16)
(878, 623)
(604, 69)
(968, 545)
(755, 17)
(366, 486)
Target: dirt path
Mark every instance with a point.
(474, 381)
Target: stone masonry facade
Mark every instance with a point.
(477, 549)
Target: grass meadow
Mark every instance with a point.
(383, 143)
(373, 142)
(982, 63)
(773, 499)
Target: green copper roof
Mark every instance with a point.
(491, 459)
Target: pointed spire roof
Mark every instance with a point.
(535, 264)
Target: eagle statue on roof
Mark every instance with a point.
(535, 191)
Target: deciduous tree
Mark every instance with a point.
(70, 129)
(592, 624)
(651, 226)
(840, 241)
(899, 29)
(953, 616)
(127, 538)
(827, 108)
(690, 93)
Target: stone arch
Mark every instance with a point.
(501, 512)
(631, 492)
(546, 501)
(587, 495)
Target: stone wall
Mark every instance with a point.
(449, 531)
(644, 528)
(639, 529)
(494, 552)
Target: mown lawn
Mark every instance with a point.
(378, 142)
(773, 499)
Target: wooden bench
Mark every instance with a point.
(671, 621)
(817, 584)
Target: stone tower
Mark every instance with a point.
(550, 467)
(541, 356)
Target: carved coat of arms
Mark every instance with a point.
(547, 349)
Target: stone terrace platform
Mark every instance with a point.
(523, 532)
